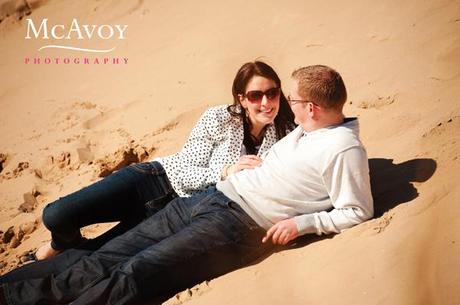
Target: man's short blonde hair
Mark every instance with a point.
(321, 85)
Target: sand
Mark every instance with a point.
(65, 126)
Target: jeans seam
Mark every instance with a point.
(91, 283)
(136, 168)
(6, 294)
(198, 207)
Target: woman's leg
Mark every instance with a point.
(120, 196)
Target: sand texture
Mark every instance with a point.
(63, 127)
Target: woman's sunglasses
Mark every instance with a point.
(256, 96)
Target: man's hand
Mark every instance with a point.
(282, 232)
(247, 161)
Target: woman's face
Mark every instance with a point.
(261, 101)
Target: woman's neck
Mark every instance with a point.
(258, 132)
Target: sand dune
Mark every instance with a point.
(65, 126)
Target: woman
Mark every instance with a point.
(225, 140)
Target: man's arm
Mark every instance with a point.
(348, 184)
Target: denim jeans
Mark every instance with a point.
(189, 241)
(128, 196)
(45, 267)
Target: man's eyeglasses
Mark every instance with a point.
(256, 96)
(293, 102)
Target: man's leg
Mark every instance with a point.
(219, 238)
(87, 272)
(45, 267)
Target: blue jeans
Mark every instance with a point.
(189, 241)
(128, 195)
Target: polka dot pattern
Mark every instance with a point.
(215, 141)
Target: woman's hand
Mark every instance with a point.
(246, 161)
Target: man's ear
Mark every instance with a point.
(311, 110)
(314, 111)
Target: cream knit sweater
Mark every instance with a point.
(321, 178)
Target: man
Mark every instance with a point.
(315, 180)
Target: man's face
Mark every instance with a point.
(299, 109)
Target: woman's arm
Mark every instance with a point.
(194, 170)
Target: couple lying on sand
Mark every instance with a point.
(246, 180)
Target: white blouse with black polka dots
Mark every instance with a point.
(215, 141)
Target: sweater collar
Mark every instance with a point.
(349, 123)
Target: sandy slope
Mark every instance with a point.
(72, 123)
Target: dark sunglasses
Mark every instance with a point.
(256, 96)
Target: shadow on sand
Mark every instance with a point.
(391, 183)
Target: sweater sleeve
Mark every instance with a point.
(348, 184)
(195, 172)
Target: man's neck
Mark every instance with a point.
(324, 122)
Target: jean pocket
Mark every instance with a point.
(153, 183)
(243, 217)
